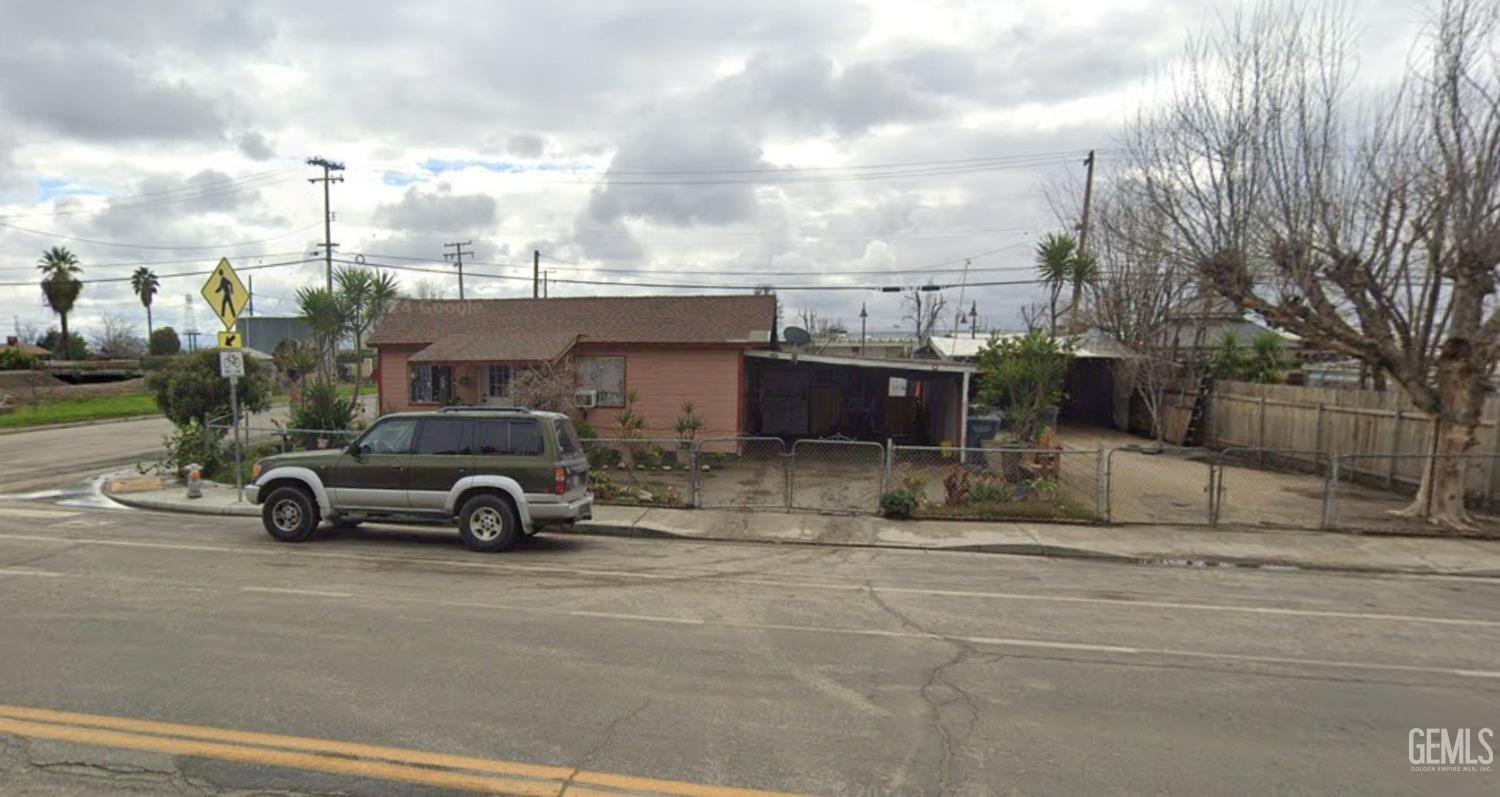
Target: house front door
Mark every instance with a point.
(494, 388)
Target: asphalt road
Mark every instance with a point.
(587, 661)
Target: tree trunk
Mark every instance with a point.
(1440, 499)
(359, 365)
(62, 342)
(148, 328)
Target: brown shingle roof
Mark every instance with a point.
(535, 329)
(466, 347)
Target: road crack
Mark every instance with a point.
(604, 742)
(937, 678)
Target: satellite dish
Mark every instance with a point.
(796, 336)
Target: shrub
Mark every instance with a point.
(164, 341)
(956, 485)
(322, 408)
(189, 388)
(191, 443)
(76, 350)
(898, 504)
(989, 491)
(17, 360)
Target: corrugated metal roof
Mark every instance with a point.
(1091, 345)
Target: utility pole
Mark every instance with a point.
(250, 302)
(536, 271)
(457, 256)
(958, 314)
(973, 320)
(544, 284)
(1088, 198)
(327, 178)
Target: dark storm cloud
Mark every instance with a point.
(439, 211)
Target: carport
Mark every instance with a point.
(912, 402)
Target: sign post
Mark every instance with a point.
(227, 296)
(232, 367)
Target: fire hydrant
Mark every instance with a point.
(194, 475)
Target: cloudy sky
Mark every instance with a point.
(728, 143)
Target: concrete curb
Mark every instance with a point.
(1039, 550)
(182, 507)
(645, 531)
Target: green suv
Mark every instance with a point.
(499, 473)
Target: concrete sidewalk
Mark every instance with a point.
(1143, 544)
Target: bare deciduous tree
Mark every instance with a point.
(546, 386)
(1374, 234)
(1139, 297)
(924, 312)
(116, 338)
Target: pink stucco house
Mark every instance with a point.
(668, 349)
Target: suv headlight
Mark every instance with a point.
(255, 471)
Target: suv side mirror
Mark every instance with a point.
(358, 450)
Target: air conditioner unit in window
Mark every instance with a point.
(586, 398)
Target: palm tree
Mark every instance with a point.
(367, 296)
(145, 284)
(60, 287)
(1059, 262)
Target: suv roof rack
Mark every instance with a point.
(481, 408)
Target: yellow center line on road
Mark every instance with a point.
(296, 752)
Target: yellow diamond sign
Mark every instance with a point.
(225, 293)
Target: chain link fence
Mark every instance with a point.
(641, 472)
(1376, 492)
(1000, 483)
(743, 473)
(830, 475)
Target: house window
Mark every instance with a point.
(431, 384)
(604, 375)
(497, 381)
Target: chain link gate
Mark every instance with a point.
(832, 475)
(1270, 487)
(742, 473)
(1170, 485)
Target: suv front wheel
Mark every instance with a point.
(488, 523)
(289, 514)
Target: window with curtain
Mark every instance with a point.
(431, 384)
(606, 376)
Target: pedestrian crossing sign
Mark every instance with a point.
(225, 293)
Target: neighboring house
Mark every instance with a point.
(667, 349)
(12, 342)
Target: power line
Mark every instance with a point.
(124, 245)
(797, 179)
(205, 273)
(855, 167)
(117, 264)
(194, 194)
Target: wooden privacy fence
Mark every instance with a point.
(1381, 426)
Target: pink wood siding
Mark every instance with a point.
(393, 380)
(665, 378)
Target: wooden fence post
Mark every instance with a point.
(1489, 464)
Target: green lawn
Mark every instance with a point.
(80, 409)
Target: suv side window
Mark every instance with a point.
(392, 436)
(445, 436)
(507, 437)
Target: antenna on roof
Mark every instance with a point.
(796, 338)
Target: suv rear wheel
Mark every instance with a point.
(289, 514)
(488, 523)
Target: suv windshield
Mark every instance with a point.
(567, 438)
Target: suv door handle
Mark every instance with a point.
(398, 467)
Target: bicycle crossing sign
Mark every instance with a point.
(225, 293)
